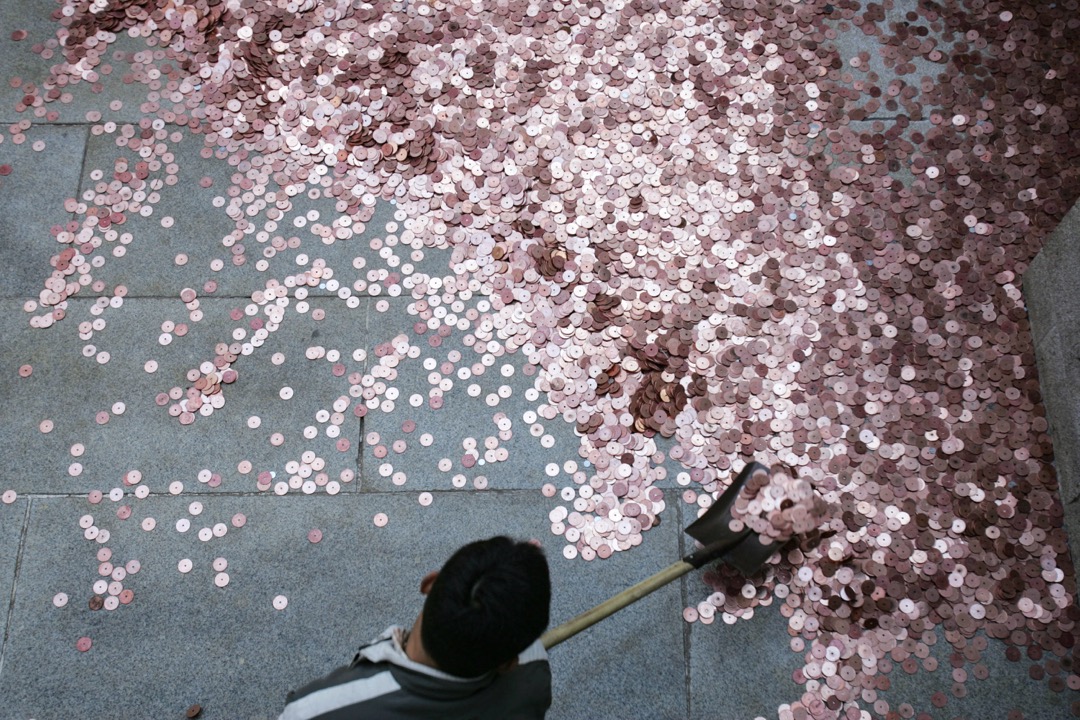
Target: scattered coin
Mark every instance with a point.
(692, 229)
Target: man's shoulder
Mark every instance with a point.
(386, 690)
(342, 693)
(383, 683)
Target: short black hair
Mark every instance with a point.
(490, 601)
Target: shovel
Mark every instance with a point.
(742, 550)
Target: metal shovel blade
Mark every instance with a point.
(742, 550)
(749, 554)
(713, 527)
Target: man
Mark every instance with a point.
(473, 651)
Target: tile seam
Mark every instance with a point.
(684, 592)
(165, 495)
(15, 583)
(82, 164)
(360, 479)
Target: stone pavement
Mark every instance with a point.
(181, 639)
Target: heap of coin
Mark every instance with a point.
(776, 504)
(685, 215)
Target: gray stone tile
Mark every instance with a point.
(1071, 522)
(1059, 382)
(1041, 293)
(462, 418)
(17, 60)
(1008, 687)
(32, 202)
(742, 670)
(148, 266)
(12, 522)
(196, 200)
(375, 257)
(1054, 315)
(851, 40)
(1062, 243)
(1050, 282)
(228, 649)
(71, 389)
(633, 663)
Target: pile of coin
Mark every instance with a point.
(700, 221)
(776, 504)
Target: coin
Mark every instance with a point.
(715, 236)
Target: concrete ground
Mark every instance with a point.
(183, 640)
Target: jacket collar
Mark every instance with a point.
(422, 679)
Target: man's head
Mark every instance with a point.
(489, 602)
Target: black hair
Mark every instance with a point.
(490, 601)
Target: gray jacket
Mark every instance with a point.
(382, 683)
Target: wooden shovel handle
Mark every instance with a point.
(587, 619)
